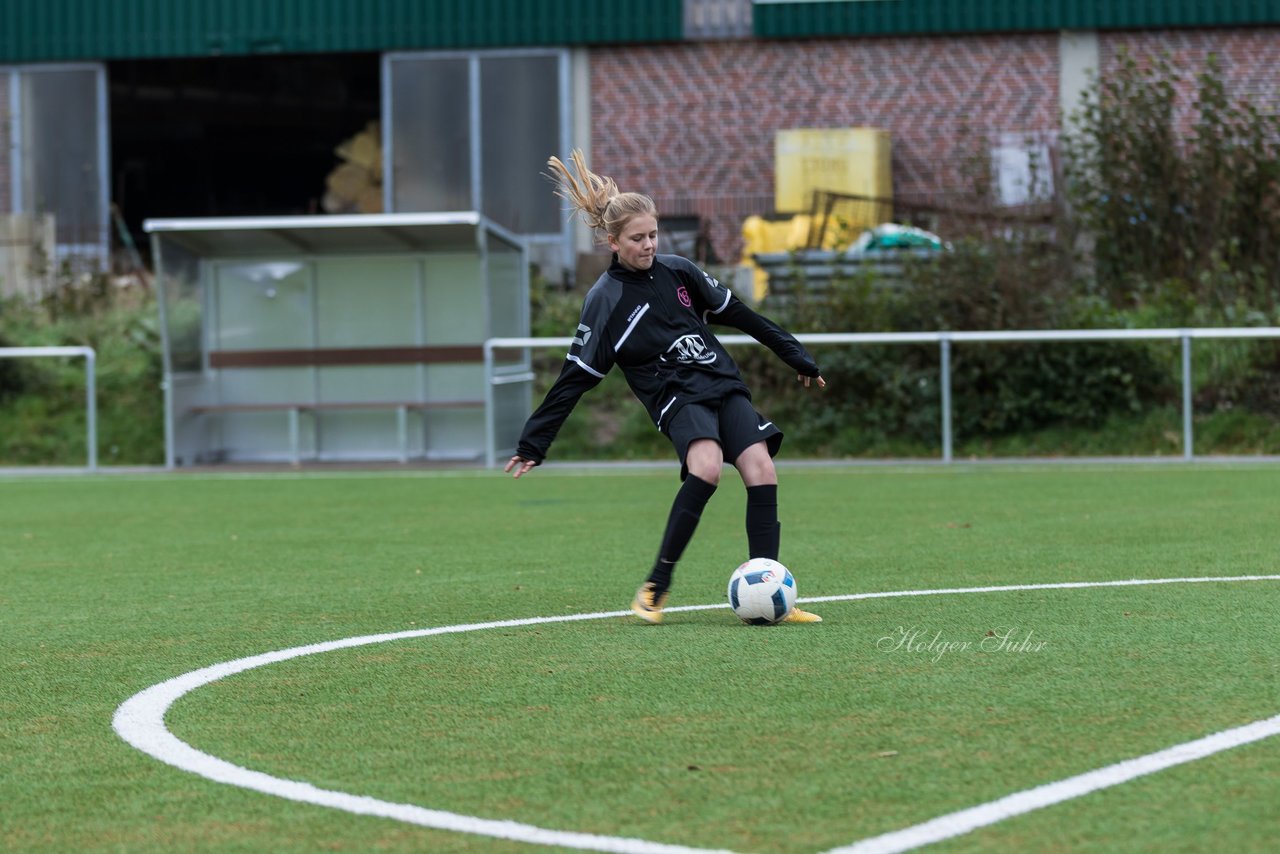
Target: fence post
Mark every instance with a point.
(91, 404)
(490, 453)
(1188, 440)
(945, 371)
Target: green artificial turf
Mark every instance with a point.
(700, 732)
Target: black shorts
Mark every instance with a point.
(732, 421)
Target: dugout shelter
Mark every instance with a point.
(355, 338)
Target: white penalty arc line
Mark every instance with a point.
(140, 721)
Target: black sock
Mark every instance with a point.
(763, 531)
(686, 510)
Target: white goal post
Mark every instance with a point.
(91, 392)
(944, 340)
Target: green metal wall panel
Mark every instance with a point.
(792, 19)
(61, 30)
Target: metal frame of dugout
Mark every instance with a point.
(334, 338)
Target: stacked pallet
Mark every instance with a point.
(355, 185)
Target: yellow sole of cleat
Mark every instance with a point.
(799, 616)
(651, 611)
(645, 614)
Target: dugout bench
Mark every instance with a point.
(332, 338)
(294, 411)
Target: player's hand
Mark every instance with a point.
(520, 465)
(807, 380)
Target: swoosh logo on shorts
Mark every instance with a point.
(764, 425)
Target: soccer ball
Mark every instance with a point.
(762, 591)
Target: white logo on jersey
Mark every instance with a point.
(584, 335)
(710, 281)
(691, 348)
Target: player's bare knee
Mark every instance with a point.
(759, 475)
(707, 471)
(705, 460)
(756, 466)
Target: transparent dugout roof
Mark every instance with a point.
(212, 237)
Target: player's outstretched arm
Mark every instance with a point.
(806, 380)
(518, 465)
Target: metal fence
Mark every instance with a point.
(91, 392)
(944, 340)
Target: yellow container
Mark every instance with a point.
(842, 160)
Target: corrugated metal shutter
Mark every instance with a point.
(54, 30)
(800, 18)
(717, 19)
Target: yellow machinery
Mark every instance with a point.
(836, 183)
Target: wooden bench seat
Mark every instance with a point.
(294, 410)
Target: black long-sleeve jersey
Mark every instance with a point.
(654, 325)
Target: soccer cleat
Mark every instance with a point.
(799, 616)
(648, 603)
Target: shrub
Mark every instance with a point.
(43, 419)
(1180, 196)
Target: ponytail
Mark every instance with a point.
(596, 198)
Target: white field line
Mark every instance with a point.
(1064, 585)
(959, 823)
(140, 722)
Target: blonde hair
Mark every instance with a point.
(596, 198)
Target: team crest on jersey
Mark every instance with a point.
(684, 297)
(691, 349)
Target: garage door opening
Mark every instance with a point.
(233, 136)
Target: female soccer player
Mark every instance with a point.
(648, 315)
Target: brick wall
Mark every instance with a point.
(693, 125)
(1248, 60)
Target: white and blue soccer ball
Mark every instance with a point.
(762, 591)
